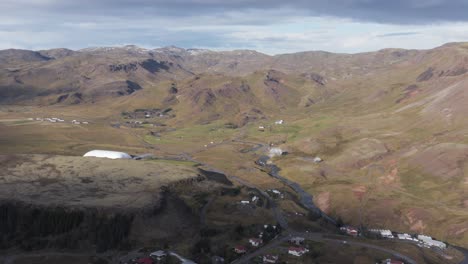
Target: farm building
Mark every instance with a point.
(107, 154)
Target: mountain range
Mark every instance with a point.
(390, 125)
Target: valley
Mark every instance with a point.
(389, 128)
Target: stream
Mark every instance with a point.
(305, 198)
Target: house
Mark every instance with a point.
(431, 242)
(158, 254)
(297, 251)
(217, 260)
(392, 261)
(254, 199)
(279, 122)
(297, 240)
(270, 259)
(145, 261)
(240, 249)
(255, 242)
(245, 202)
(349, 230)
(261, 128)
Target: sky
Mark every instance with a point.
(269, 26)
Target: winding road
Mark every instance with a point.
(306, 200)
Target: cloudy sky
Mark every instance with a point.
(270, 26)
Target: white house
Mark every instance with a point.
(255, 242)
(107, 154)
(297, 251)
(245, 202)
(158, 254)
(270, 259)
(279, 122)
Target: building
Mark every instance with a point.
(261, 128)
(160, 254)
(297, 240)
(255, 242)
(431, 242)
(217, 260)
(385, 233)
(275, 152)
(245, 202)
(254, 199)
(270, 259)
(107, 154)
(279, 122)
(349, 230)
(297, 251)
(404, 236)
(240, 249)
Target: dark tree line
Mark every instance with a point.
(31, 227)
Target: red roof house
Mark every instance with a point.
(240, 249)
(297, 251)
(145, 261)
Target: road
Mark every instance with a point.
(306, 200)
(465, 252)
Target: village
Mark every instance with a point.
(420, 240)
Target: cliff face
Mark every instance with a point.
(90, 204)
(35, 227)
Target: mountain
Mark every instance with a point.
(390, 125)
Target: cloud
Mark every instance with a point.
(270, 26)
(395, 11)
(397, 34)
